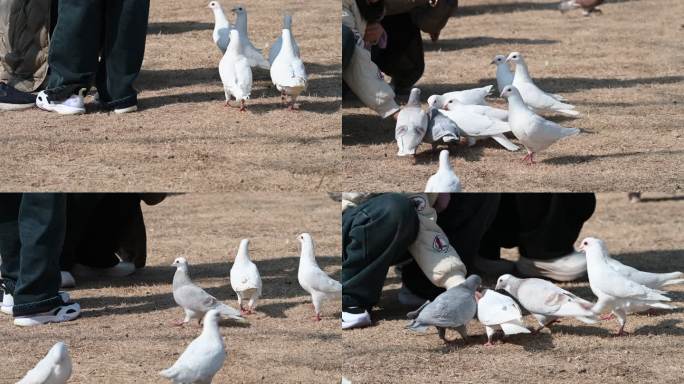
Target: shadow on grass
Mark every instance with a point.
(516, 6)
(480, 41)
(577, 159)
(279, 278)
(176, 27)
(660, 199)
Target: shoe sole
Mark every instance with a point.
(130, 109)
(60, 109)
(47, 319)
(15, 107)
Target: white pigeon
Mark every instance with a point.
(532, 130)
(649, 279)
(494, 113)
(533, 96)
(194, 300)
(54, 368)
(203, 358)
(275, 48)
(497, 311)
(546, 301)
(615, 292)
(504, 75)
(467, 96)
(287, 71)
(256, 59)
(245, 279)
(221, 34)
(236, 74)
(444, 180)
(412, 123)
(476, 126)
(319, 285)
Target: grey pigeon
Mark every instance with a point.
(195, 301)
(452, 309)
(54, 368)
(411, 125)
(202, 358)
(440, 128)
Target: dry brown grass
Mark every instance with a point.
(623, 71)
(123, 335)
(183, 139)
(646, 235)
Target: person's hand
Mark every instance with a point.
(373, 33)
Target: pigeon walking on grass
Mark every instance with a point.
(546, 301)
(235, 72)
(497, 311)
(467, 96)
(221, 34)
(312, 278)
(254, 56)
(195, 301)
(532, 130)
(452, 309)
(616, 292)
(534, 97)
(54, 368)
(245, 279)
(445, 179)
(275, 48)
(411, 125)
(287, 71)
(440, 129)
(203, 358)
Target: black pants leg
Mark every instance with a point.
(543, 225)
(403, 58)
(123, 49)
(375, 235)
(41, 223)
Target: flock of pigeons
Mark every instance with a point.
(620, 289)
(206, 354)
(465, 115)
(240, 56)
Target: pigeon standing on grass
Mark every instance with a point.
(467, 96)
(546, 301)
(440, 128)
(445, 180)
(236, 74)
(504, 75)
(194, 300)
(275, 48)
(221, 34)
(54, 368)
(533, 131)
(452, 309)
(287, 71)
(532, 95)
(497, 311)
(319, 285)
(254, 56)
(245, 279)
(411, 125)
(615, 292)
(588, 6)
(203, 358)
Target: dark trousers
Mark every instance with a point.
(375, 235)
(348, 45)
(103, 227)
(542, 225)
(32, 228)
(113, 31)
(403, 58)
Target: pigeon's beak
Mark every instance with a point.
(493, 62)
(581, 248)
(508, 59)
(502, 94)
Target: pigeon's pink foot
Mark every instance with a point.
(488, 344)
(317, 317)
(621, 332)
(651, 312)
(178, 323)
(609, 316)
(242, 106)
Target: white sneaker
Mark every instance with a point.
(355, 320)
(565, 268)
(8, 302)
(74, 105)
(130, 109)
(68, 280)
(124, 268)
(66, 312)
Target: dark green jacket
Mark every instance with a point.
(24, 30)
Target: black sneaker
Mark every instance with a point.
(13, 100)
